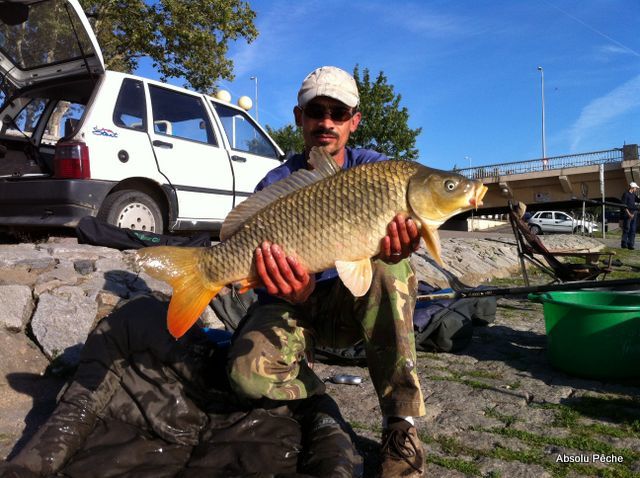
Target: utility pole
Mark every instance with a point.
(544, 145)
(255, 78)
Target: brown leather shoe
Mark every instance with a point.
(402, 454)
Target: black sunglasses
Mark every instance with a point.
(338, 113)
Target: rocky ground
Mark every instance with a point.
(497, 408)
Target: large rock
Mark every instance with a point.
(62, 322)
(16, 305)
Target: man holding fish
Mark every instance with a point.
(327, 236)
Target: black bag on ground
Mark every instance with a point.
(98, 233)
(447, 325)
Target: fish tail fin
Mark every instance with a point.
(192, 290)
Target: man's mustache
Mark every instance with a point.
(324, 131)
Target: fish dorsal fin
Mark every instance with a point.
(356, 276)
(323, 162)
(324, 166)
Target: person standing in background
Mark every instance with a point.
(629, 217)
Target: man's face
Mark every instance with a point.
(319, 128)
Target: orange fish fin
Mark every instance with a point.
(432, 242)
(180, 268)
(187, 303)
(248, 284)
(356, 275)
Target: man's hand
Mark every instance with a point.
(402, 239)
(283, 276)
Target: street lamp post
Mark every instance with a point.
(544, 146)
(256, 80)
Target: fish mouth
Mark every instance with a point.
(476, 200)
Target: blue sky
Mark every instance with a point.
(466, 70)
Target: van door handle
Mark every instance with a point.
(239, 159)
(162, 144)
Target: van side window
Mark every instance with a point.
(242, 133)
(180, 115)
(63, 121)
(131, 108)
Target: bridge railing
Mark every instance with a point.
(546, 164)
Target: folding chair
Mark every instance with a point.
(531, 249)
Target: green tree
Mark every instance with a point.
(384, 126)
(184, 38)
(289, 138)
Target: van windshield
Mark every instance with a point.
(46, 38)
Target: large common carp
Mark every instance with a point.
(325, 217)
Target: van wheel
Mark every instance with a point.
(535, 229)
(132, 209)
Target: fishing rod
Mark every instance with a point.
(470, 293)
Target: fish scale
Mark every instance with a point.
(342, 217)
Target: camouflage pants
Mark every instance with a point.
(267, 358)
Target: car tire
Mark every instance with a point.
(535, 229)
(133, 209)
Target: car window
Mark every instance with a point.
(545, 215)
(180, 115)
(51, 27)
(62, 122)
(26, 121)
(242, 133)
(562, 216)
(131, 109)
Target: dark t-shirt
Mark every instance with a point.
(629, 200)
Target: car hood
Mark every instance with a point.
(44, 40)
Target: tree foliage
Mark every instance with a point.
(183, 38)
(384, 126)
(289, 138)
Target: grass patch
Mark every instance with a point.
(457, 464)
(508, 420)
(484, 374)
(624, 413)
(458, 377)
(514, 385)
(356, 425)
(534, 456)
(582, 443)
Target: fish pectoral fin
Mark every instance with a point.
(432, 242)
(356, 276)
(247, 284)
(187, 303)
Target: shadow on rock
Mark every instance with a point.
(125, 284)
(44, 390)
(526, 351)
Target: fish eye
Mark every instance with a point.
(449, 185)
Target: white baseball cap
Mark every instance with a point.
(633, 185)
(329, 81)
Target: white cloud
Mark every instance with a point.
(615, 49)
(606, 109)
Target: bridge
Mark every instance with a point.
(559, 181)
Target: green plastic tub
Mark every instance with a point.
(593, 334)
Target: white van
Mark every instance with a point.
(76, 140)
